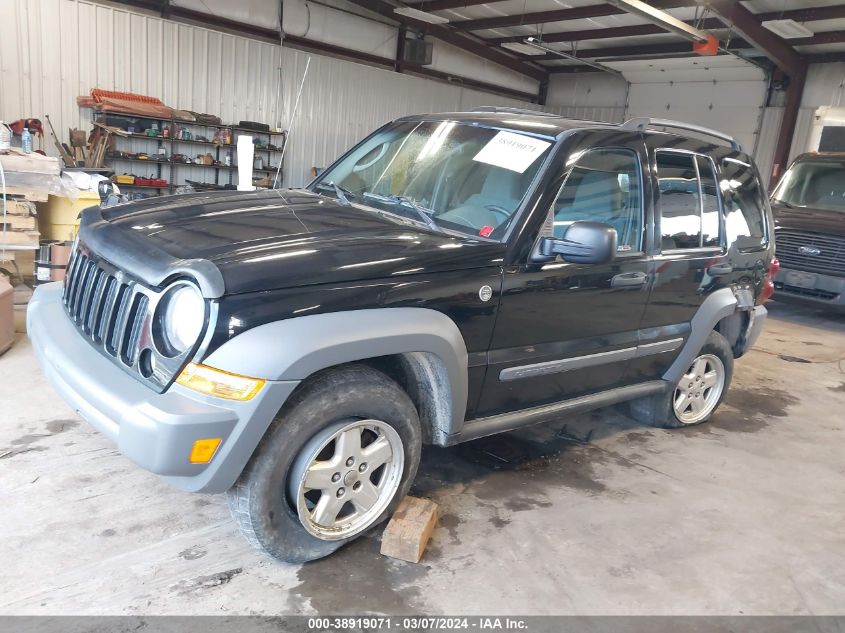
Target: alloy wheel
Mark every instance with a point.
(346, 476)
(699, 389)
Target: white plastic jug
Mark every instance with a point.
(5, 137)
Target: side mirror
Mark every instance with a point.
(583, 243)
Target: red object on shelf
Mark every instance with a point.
(100, 95)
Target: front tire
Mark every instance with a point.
(697, 394)
(334, 463)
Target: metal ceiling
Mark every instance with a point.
(604, 30)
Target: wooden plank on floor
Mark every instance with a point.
(409, 530)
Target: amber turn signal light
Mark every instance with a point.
(222, 384)
(204, 449)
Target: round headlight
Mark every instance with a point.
(182, 316)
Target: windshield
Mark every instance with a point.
(818, 184)
(444, 174)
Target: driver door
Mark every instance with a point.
(563, 329)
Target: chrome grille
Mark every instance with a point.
(107, 308)
(815, 293)
(829, 261)
(116, 314)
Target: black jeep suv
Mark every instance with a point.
(450, 277)
(809, 209)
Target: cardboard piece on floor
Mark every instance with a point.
(409, 530)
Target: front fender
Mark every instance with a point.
(293, 349)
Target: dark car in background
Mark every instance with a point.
(809, 210)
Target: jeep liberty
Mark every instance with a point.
(450, 277)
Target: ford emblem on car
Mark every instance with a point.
(809, 250)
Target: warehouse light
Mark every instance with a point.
(525, 49)
(422, 16)
(787, 29)
(535, 43)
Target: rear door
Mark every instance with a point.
(690, 260)
(564, 329)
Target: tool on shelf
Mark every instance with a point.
(64, 152)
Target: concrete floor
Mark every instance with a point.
(595, 515)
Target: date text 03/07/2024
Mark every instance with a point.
(417, 623)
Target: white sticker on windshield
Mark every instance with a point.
(512, 151)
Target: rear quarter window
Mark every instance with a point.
(744, 203)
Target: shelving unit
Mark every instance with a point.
(222, 174)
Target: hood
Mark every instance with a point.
(277, 239)
(808, 219)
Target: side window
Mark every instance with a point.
(680, 205)
(709, 202)
(744, 203)
(603, 186)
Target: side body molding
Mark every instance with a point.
(293, 349)
(715, 307)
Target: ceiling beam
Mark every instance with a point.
(443, 5)
(811, 14)
(637, 50)
(601, 34)
(825, 58)
(460, 40)
(708, 24)
(673, 48)
(590, 34)
(557, 15)
(740, 19)
(824, 37)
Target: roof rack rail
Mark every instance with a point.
(514, 111)
(639, 124)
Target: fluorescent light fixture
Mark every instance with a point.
(534, 42)
(525, 49)
(787, 29)
(422, 16)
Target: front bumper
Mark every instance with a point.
(820, 289)
(156, 431)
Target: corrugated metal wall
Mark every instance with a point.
(51, 51)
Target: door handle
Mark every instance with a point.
(628, 280)
(717, 270)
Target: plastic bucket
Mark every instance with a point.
(58, 218)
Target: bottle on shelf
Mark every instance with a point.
(26, 141)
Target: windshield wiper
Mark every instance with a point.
(405, 201)
(339, 191)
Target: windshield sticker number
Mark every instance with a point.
(512, 151)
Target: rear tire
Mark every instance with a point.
(272, 501)
(697, 395)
